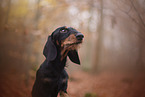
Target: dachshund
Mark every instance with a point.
(51, 77)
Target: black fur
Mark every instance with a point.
(51, 77)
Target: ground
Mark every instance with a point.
(81, 84)
(107, 84)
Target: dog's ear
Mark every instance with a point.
(50, 51)
(74, 57)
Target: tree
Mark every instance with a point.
(99, 44)
(136, 13)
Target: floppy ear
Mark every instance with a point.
(73, 56)
(50, 51)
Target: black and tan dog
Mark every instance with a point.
(51, 77)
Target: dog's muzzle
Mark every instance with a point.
(73, 40)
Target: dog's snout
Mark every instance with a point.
(79, 36)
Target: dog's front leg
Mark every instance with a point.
(63, 94)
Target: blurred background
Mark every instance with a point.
(112, 54)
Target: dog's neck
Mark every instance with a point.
(61, 52)
(61, 58)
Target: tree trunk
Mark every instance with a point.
(8, 11)
(140, 63)
(37, 16)
(99, 45)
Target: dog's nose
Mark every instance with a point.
(79, 36)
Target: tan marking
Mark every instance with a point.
(46, 80)
(64, 80)
(64, 54)
(71, 39)
(57, 42)
(63, 94)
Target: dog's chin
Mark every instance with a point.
(72, 46)
(65, 48)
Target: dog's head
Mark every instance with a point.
(66, 40)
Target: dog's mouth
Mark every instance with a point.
(71, 44)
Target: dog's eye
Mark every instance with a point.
(63, 31)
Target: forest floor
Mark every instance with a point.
(81, 84)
